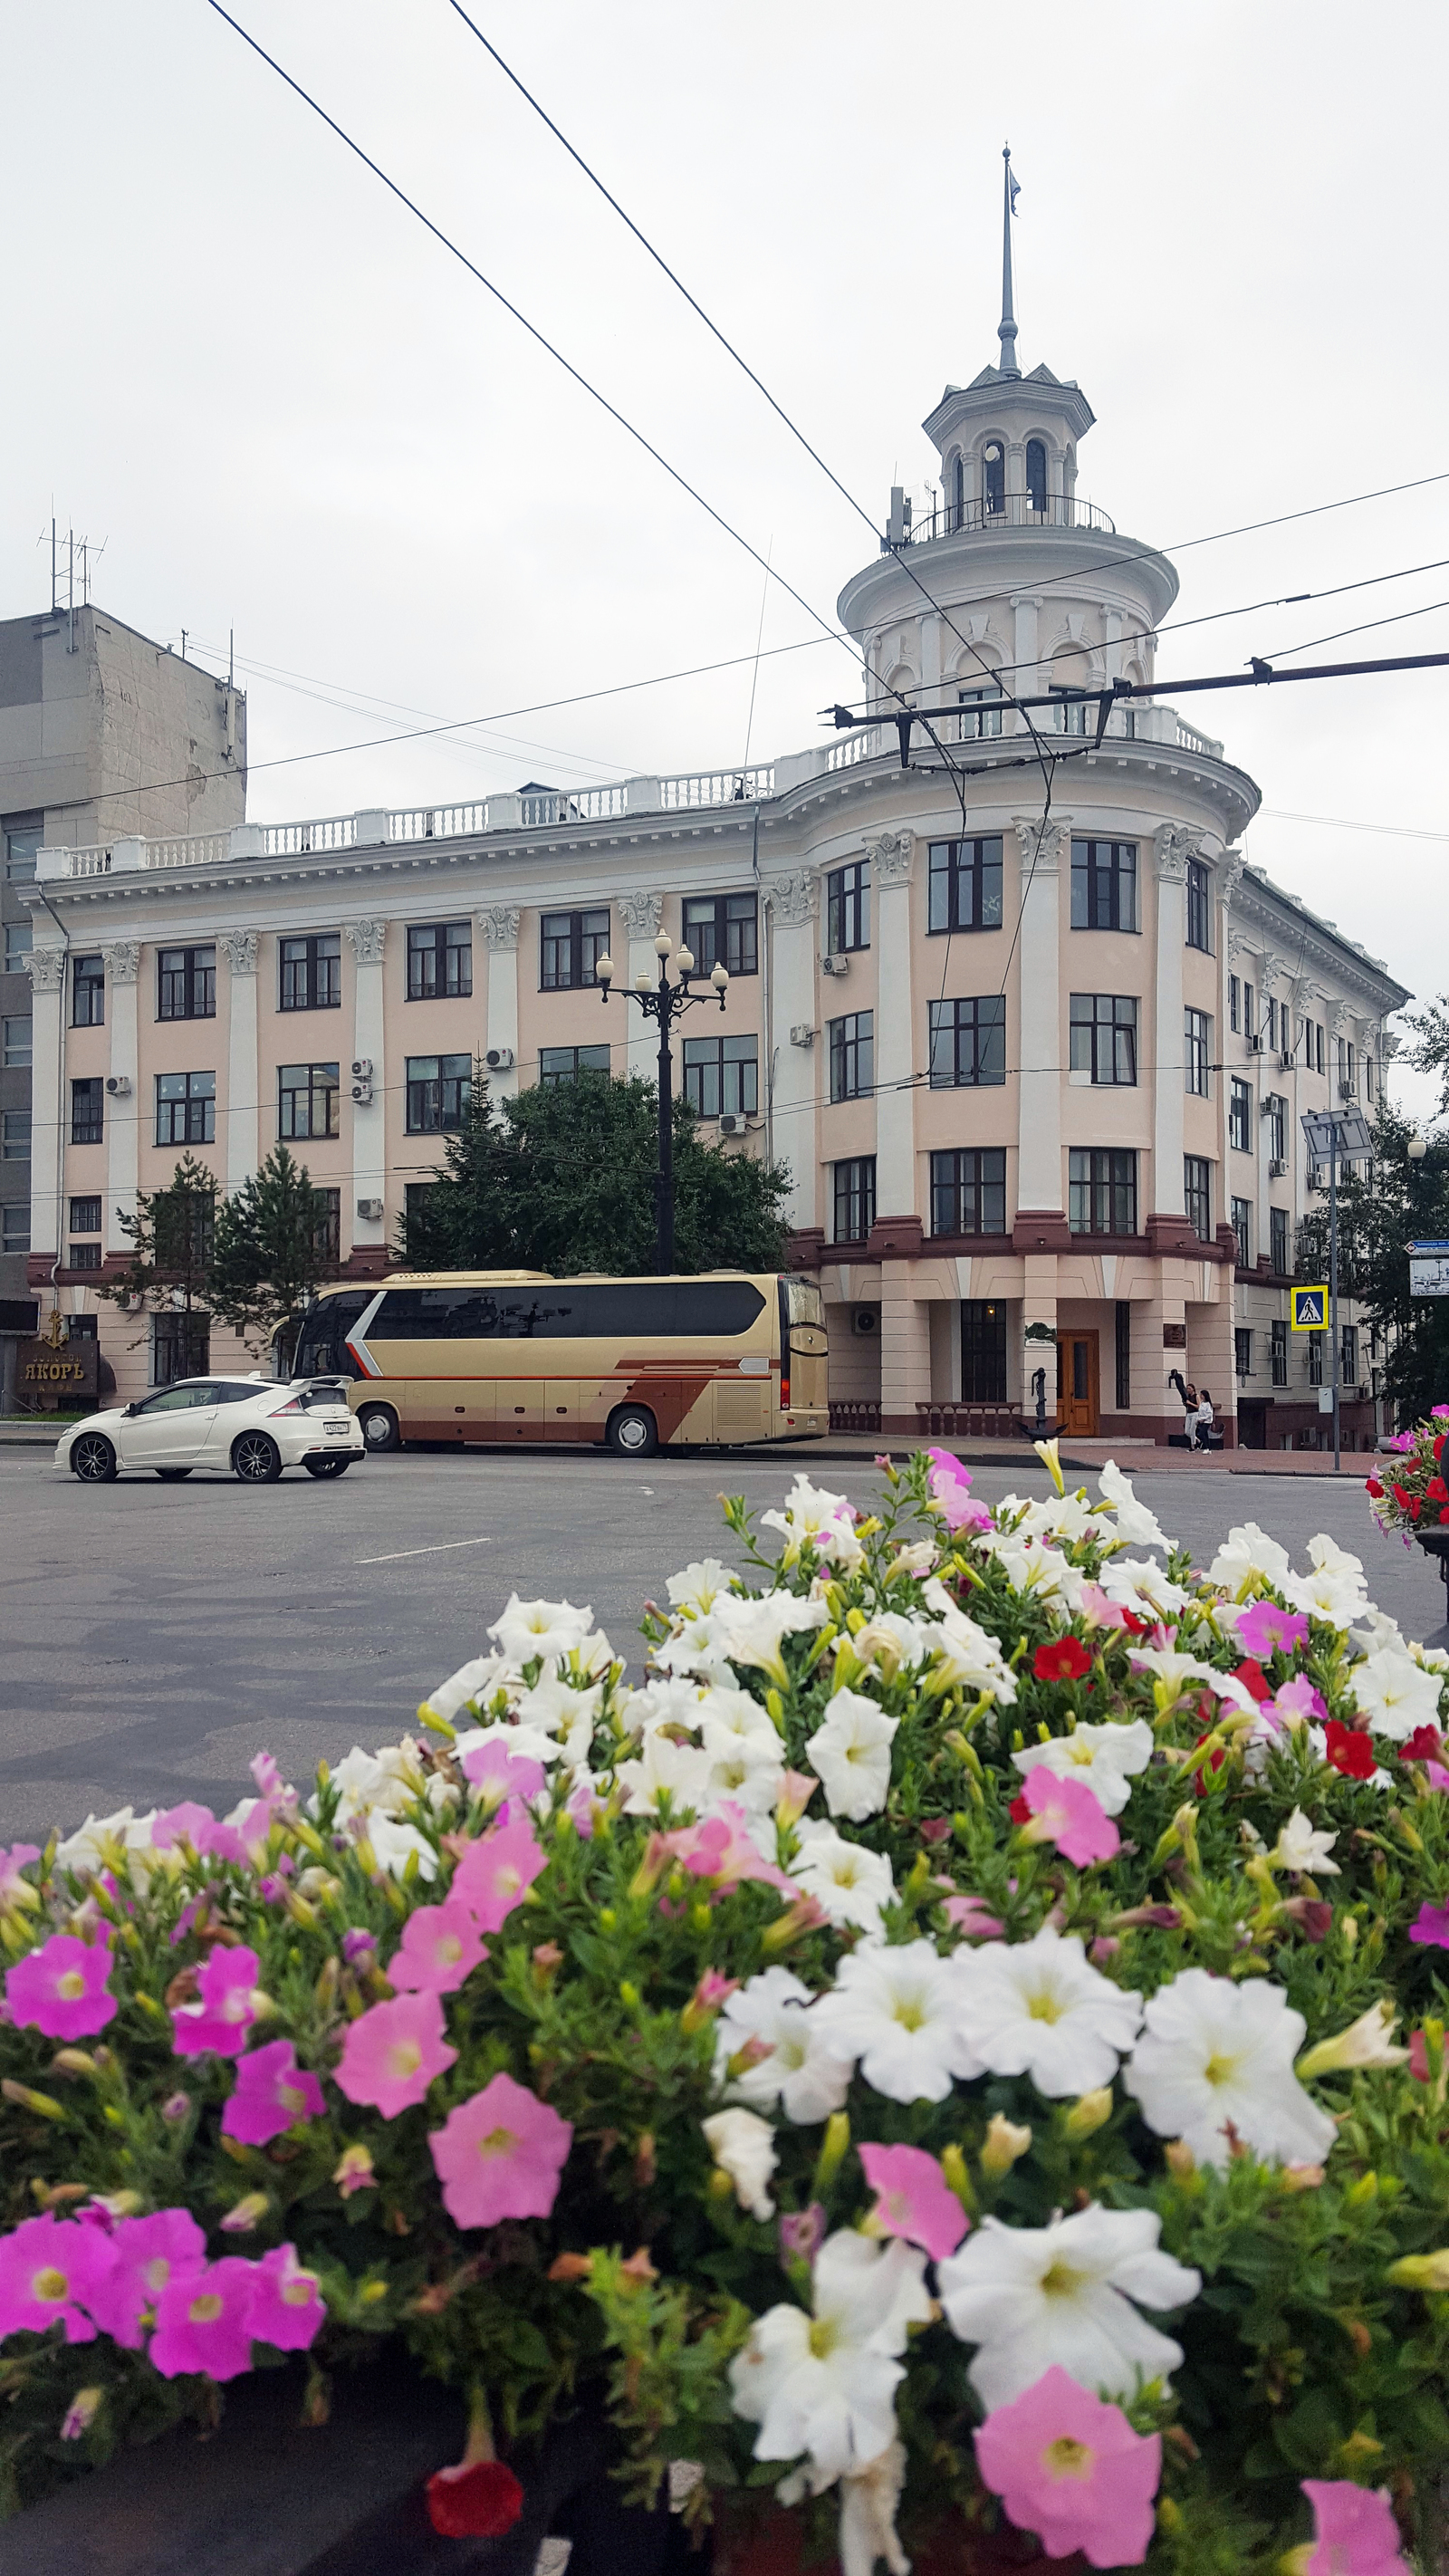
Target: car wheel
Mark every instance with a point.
(327, 1466)
(256, 1458)
(172, 1475)
(633, 1432)
(379, 1428)
(92, 1458)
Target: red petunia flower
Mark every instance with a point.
(1253, 1678)
(1438, 1451)
(1426, 1744)
(1351, 1751)
(480, 2502)
(1436, 1491)
(1019, 1811)
(1372, 1486)
(1065, 1660)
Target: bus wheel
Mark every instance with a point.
(379, 1428)
(632, 1432)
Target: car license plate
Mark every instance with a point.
(338, 1430)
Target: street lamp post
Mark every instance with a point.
(665, 1003)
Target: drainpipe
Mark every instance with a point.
(59, 1110)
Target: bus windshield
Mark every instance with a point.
(322, 1343)
(803, 1301)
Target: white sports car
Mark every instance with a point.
(250, 1427)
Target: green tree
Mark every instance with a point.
(561, 1178)
(1429, 1052)
(1394, 1203)
(270, 1254)
(172, 1237)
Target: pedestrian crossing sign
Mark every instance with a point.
(1310, 1309)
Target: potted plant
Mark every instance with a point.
(1412, 1495)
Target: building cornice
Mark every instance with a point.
(1265, 922)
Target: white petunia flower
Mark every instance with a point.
(851, 1883)
(1138, 1583)
(1060, 1516)
(825, 2385)
(1035, 2008)
(394, 1845)
(752, 1631)
(1131, 1520)
(1249, 1555)
(1378, 1629)
(1032, 2297)
(1176, 1674)
(743, 2146)
(800, 2072)
(963, 1653)
(697, 1584)
(748, 1768)
(1395, 1694)
(1029, 1565)
(680, 1769)
(727, 1711)
(851, 1753)
(1300, 1847)
(1330, 1558)
(825, 1521)
(891, 1641)
(384, 1782)
(556, 1709)
(477, 1680)
(1328, 1594)
(1214, 2052)
(525, 1741)
(1105, 1759)
(540, 1628)
(672, 1699)
(897, 2011)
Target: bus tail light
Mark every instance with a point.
(784, 1386)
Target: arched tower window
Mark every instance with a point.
(1036, 475)
(958, 490)
(994, 471)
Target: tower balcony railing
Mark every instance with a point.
(919, 521)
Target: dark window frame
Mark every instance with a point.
(438, 1102)
(188, 1116)
(968, 1190)
(567, 956)
(1197, 1051)
(1242, 1351)
(847, 909)
(88, 990)
(1102, 1190)
(968, 1033)
(983, 1350)
(1122, 1339)
(1278, 1350)
(1197, 1195)
(1199, 907)
(964, 885)
(724, 928)
(327, 1239)
(1104, 888)
(434, 944)
(87, 1110)
(1240, 1116)
(550, 1075)
(1278, 1241)
(186, 991)
(853, 1198)
(852, 1056)
(1242, 1224)
(85, 1213)
(183, 1335)
(312, 1090)
(311, 980)
(719, 1083)
(1098, 1018)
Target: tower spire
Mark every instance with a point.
(1007, 333)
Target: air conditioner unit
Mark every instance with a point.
(1287, 1059)
(119, 1086)
(1347, 1091)
(361, 1068)
(362, 1090)
(730, 1124)
(865, 1320)
(370, 1210)
(1255, 1046)
(802, 1034)
(1317, 1176)
(1265, 1105)
(499, 1059)
(835, 965)
(1276, 1171)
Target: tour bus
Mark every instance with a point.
(505, 1356)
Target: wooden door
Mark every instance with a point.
(1077, 1382)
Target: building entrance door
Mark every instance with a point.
(1077, 1382)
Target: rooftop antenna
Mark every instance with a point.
(1011, 190)
(89, 554)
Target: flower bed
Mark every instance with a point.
(958, 2053)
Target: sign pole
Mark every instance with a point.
(1333, 1278)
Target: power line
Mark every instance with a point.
(1372, 624)
(1341, 823)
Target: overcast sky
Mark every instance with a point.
(229, 353)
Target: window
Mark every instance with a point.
(328, 1237)
(1315, 1359)
(1279, 1330)
(15, 1228)
(993, 477)
(965, 885)
(15, 1038)
(1270, 1021)
(88, 992)
(1124, 1355)
(1104, 1036)
(185, 1230)
(440, 1088)
(22, 846)
(1278, 1241)
(958, 489)
(1036, 474)
(1071, 709)
(852, 1056)
(440, 960)
(1242, 1351)
(312, 973)
(1249, 1024)
(180, 1347)
(570, 946)
(15, 1136)
(721, 1077)
(307, 1098)
(968, 1191)
(847, 908)
(1102, 1191)
(1197, 1195)
(722, 930)
(1348, 1355)
(854, 1198)
(576, 1310)
(1242, 1213)
(1240, 1118)
(1277, 1108)
(1368, 1077)
(1199, 906)
(1318, 1046)
(1104, 885)
(1235, 1003)
(186, 983)
(17, 946)
(185, 1108)
(983, 1351)
(1196, 1051)
(85, 1216)
(980, 717)
(968, 1042)
(87, 1111)
(84, 1256)
(565, 1064)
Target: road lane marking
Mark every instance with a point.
(444, 1548)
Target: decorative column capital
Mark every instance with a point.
(795, 895)
(1174, 846)
(1229, 875)
(890, 855)
(46, 969)
(642, 911)
(366, 940)
(499, 925)
(1042, 850)
(123, 961)
(241, 951)
(1273, 967)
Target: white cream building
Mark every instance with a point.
(1037, 1082)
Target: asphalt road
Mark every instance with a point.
(153, 1636)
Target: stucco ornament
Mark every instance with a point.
(366, 939)
(46, 969)
(890, 857)
(1175, 845)
(1042, 849)
(641, 910)
(123, 961)
(241, 951)
(499, 925)
(795, 896)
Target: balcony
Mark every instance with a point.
(919, 520)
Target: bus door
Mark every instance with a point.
(804, 1348)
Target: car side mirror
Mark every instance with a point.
(132, 1409)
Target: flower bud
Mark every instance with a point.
(1420, 2272)
(44, 2104)
(1089, 2114)
(243, 2217)
(1179, 2158)
(1366, 2042)
(353, 2171)
(81, 2413)
(834, 2147)
(1004, 2145)
(953, 2167)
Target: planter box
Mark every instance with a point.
(773, 2544)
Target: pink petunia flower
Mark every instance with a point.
(224, 2011)
(1264, 1629)
(12, 1862)
(186, 1822)
(52, 2268)
(1296, 1699)
(1354, 2530)
(391, 2056)
(492, 1875)
(358, 1945)
(970, 1917)
(148, 2253)
(492, 1766)
(61, 1989)
(440, 1946)
(1430, 1927)
(1072, 2470)
(802, 2233)
(582, 1807)
(222, 1842)
(950, 1483)
(1066, 1812)
(721, 1849)
(500, 2155)
(914, 2199)
(288, 2308)
(203, 2321)
(272, 2093)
